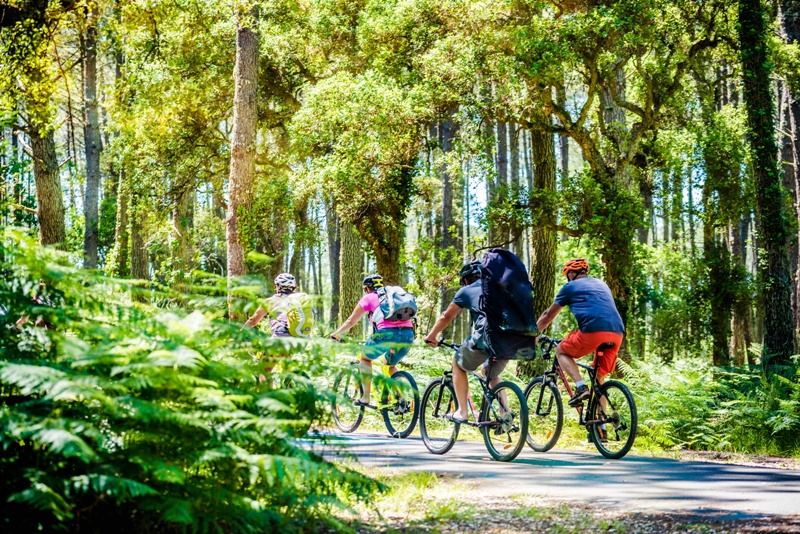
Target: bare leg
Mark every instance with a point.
(492, 383)
(366, 382)
(461, 385)
(568, 364)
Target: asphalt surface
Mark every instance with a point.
(639, 484)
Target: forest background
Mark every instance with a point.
(182, 153)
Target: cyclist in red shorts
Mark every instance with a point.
(590, 300)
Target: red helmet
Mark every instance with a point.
(576, 265)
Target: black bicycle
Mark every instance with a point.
(610, 418)
(399, 401)
(503, 418)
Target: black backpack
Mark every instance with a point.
(507, 301)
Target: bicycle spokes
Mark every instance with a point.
(613, 420)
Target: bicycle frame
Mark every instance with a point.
(556, 372)
(485, 397)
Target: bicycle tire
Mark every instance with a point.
(622, 432)
(431, 423)
(492, 409)
(398, 425)
(347, 388)
(543, 400)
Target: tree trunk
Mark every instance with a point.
(741, 322)
(514, 133)
(351, 272)
(139, 259)
(544, 241)
(334, 253)
(91, 143)
(387, 252)
(182, 223)
(297, 264)
(49, 197)
(243, 146)
(448, 242)
(563, 139)
(773, 227)
(790, 26)
(718, 265)
(676, 205)
(646, 191)
(121, 230)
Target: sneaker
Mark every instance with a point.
(601, 432)
(580, 394)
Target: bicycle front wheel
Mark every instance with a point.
(400, 405)
(504, 421)
(347, 388)
(615, 409)
(439, 433)
(546, 414)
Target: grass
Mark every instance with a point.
(433, 503)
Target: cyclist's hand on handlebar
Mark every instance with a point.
(431, 341)
(335, 338)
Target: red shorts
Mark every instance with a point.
(578, 344)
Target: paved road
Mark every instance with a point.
(633, 483)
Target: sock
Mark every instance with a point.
(579, 384)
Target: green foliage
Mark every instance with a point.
(148, 420)
(690, 405)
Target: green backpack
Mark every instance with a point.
(299, 311)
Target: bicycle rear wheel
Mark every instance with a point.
(620, 418)
(438, 402)
(347, 387)
(504, 421)
(400, 405)
(545, 414)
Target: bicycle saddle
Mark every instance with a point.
(605, 346)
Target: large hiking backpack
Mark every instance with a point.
(299, 310)
(396, 304)
(507, 302)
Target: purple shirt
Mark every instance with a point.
(371, 302)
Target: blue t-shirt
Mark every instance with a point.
(590, 301)
(469, 297)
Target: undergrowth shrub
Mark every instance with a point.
(691, 404)
(115, 413)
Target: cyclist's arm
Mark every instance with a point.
(351, 321)
(442, 322)
(548, 316)
(256, 317)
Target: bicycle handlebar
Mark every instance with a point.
(443, 343)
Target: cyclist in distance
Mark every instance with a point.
(472, 353)
(592, 304)
(288, 315)
(392, 338)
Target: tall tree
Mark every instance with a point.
(774, 275)
(334, 253)
(92, 142)
(49, 196)
(243, 139)
(351, 275)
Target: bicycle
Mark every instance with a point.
(546, 409)
(399, 401)
(503, 415)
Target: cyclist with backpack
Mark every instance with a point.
(473, 352)
(592, 304)
(390, 309)
(289, 311)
